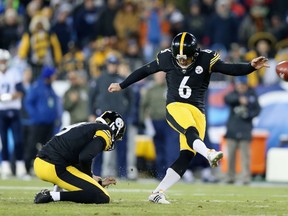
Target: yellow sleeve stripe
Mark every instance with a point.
(105, 134)
(213, 61)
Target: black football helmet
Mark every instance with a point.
(115, 121)
(184, 45)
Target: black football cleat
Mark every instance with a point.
(43, 197)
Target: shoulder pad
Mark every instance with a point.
(163, 54)
(212, 55)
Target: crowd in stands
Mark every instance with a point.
(91, 43)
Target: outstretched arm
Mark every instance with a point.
(241, 68)
(137, 75)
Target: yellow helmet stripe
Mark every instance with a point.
(182, 42)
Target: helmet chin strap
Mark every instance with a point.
(183, 67)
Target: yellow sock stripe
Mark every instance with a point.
(213, 61)
(182, 42)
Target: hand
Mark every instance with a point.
(97, 178)
(73, 96)
(105, 182)
(114, 87)
(108, 181)
(260, 62)
(243, 100)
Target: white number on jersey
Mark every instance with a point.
(68, 128)
(188, 91)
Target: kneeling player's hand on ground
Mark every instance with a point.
(108, 181)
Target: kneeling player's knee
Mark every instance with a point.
(97, 197)
(103, 199)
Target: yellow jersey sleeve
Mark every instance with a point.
(106, 135)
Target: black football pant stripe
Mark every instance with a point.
(172, 121)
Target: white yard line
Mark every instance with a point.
(110, 189)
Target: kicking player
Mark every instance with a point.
(66, 160)
(188, 70)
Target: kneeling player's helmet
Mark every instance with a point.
(184, 45)
(115, 121)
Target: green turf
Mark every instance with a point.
(130, 198)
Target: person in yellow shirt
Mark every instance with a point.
(39, 47)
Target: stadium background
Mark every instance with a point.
(273, 97)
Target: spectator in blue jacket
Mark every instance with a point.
(42, 105)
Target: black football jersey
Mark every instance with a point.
(64, 148)
(187, 85)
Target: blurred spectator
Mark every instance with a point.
(10, 30)
(262, 44)
(40, 47)
(75, 99)
(11, 92)
(86, 22)
(133, 55)
(107, 18)
(208, 7)
(15, 5)
(100, 100)
(279, 28)
(154, 23)
(62, 28)
(32, 8)
(221, 21)
(42, 105)
(25, 119)
(73, 60)
(282, 50)
(127, 22)
(175, 18)
(165, 138)
(279, 7)
(195, 21)
(244, 106)
(100, 48)
(255, 21)
(238, 9)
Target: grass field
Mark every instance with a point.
(130, 198)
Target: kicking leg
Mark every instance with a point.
(199, 146)
(173, 175)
